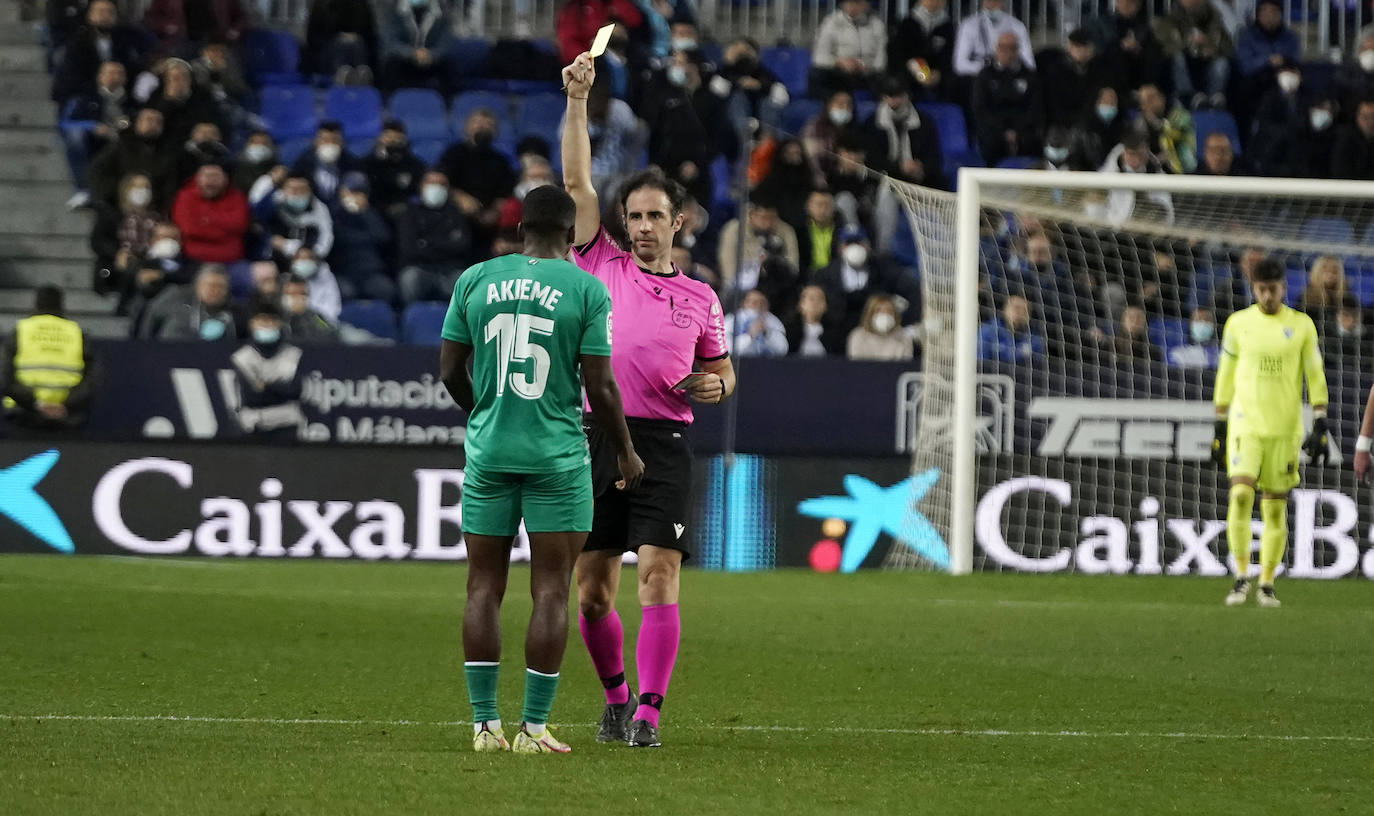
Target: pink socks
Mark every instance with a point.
(655, 654)
(605, 643)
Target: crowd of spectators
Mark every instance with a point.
(197, 213)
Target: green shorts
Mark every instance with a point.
(1271, 461)
(495, 501)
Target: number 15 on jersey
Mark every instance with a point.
(516, 342)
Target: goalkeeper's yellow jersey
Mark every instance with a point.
(1263, 361)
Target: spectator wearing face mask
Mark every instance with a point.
(479, 174)
(976, 42)
(303, 324)
(122, 235)
(1100, 129)
(1280, 116)
(393, 170)
(267, 371)
(1008, 338)
(820, 135)
(258, 157)
(327, 163)
(1008, 104)
(850, 51)
(535, 172)
(166, 251)
(200, 311)
(325, 299)
(212, 216)
(1305, 149)
(809, 330)
(753, 330)
(434, 242)
(682, 113)
(291, 217)
(856, 275)
(1354, 80)
(1071, 78)
(139, 150)
(361, 240)
(1203, 349)
(879, 335)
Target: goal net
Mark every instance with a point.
(1083, 313)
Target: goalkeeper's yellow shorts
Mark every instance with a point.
(1271, 461)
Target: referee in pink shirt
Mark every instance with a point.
(668, 347)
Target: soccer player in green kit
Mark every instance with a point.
(1266, 352)
(529, 322)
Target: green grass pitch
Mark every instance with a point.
(336, 688)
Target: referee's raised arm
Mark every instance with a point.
(577, 148)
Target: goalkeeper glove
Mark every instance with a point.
(1219, 444)
(1315, 445)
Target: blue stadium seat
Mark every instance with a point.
(1168, 333)
(1328, 231)
(464, 104)
(1361, 280)
(470, 56)
(721, 182)
(791, 65)
(421, 323)
(1017, 162)
(423, 111)
(359, 109)
(374, 316)
(950, 128)
(1207, 122)
(903, 247)
(289, 111)
(291, 149)
(1295, 281)
(271, 57)
(797, 113)
(539, 115)
(864, 110)
(429, 150)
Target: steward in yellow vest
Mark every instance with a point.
(45, 368)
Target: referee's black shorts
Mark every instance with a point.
(654, 513)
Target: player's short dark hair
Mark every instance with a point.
(1268, 270)
(549, 212)
(654, 179)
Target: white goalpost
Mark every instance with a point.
(1119, 274)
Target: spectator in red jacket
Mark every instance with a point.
(179, 22)
(576, 22)
(212, 215)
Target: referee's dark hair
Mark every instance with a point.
(654, 179)
(1268, 270)
(548, 213)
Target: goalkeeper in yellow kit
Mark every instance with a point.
(1266, 351)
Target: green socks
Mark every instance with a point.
(481, 680)
(1239, 511)
(540, 689)
(1274, 539)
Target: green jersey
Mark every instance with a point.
(527, 321)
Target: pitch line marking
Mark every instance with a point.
(797, 729)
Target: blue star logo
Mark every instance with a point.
(20, 501)
(871, 510)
